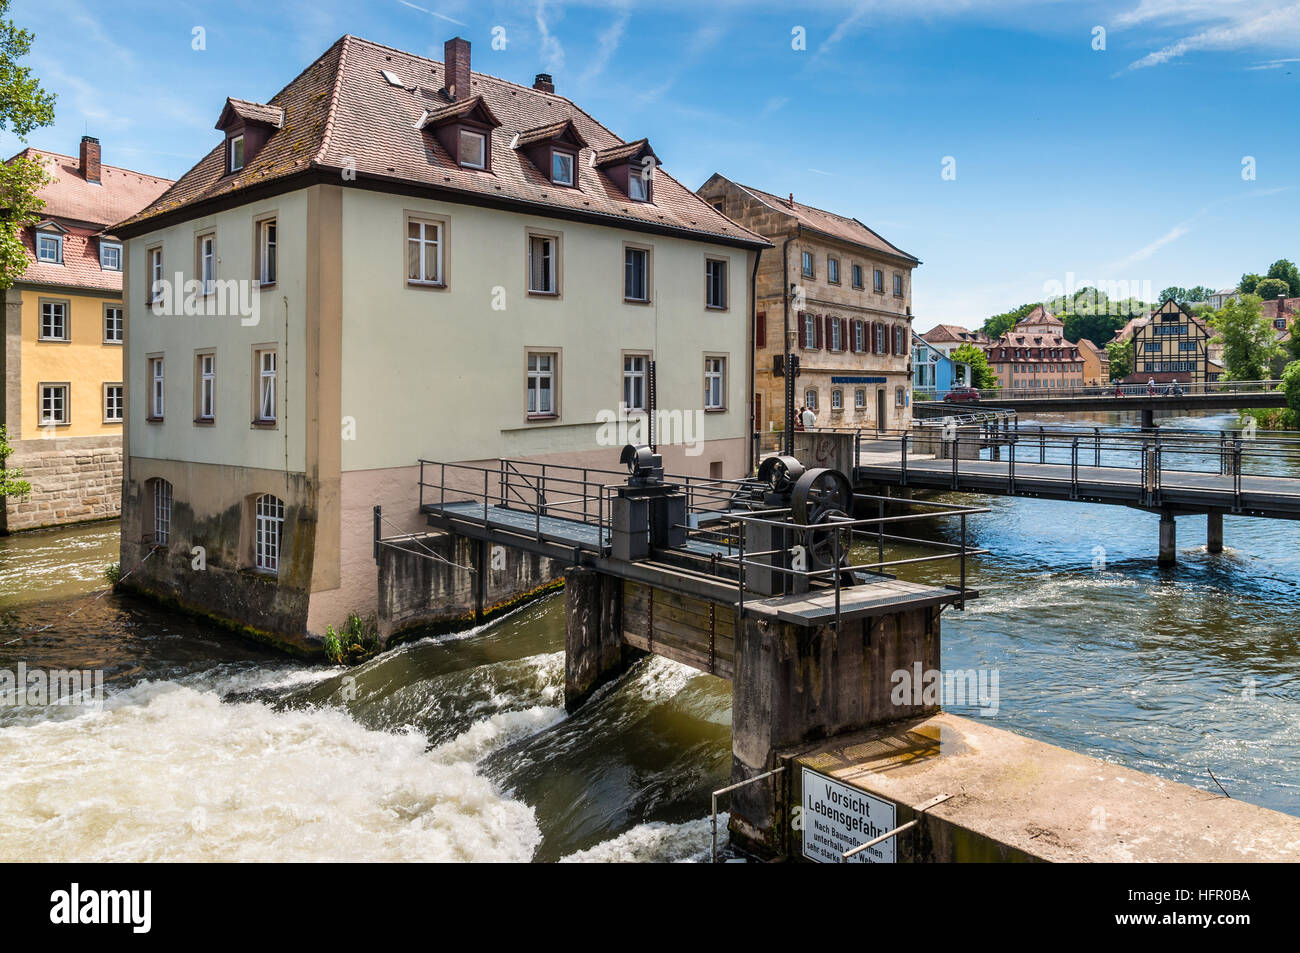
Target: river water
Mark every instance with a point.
(458, 748)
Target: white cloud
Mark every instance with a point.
(1145, 252)
(552, 50)
(1221, 25)
(607, 42)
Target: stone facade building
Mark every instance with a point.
(63, 397)
(848, 318)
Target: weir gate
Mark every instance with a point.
(781, 584)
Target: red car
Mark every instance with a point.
(962, 395)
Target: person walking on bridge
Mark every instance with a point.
(1151, 387)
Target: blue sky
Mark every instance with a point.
(1122, 164)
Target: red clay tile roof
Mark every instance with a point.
(252, 112)
(1040, 315)
(837, 226)
(462, 108)
(69, 197)
(84, 210)
(623, 153)
(549, 131)
(340, 113)
(944, 333)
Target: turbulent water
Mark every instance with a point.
(459, 749)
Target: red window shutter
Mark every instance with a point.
(830, 331)
(760, 329)
(853, 336)
(817, 330)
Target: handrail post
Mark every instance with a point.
(962, 602)
(903, 461)
(955, 437)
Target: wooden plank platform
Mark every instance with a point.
(856, 602)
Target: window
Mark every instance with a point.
(157, 391)
(880, 339)
(562, 168)
(54, 405)
(859, 336)
(473, 149)
(114, 403)
(634, 379)
(878, 280)
(155, 273)
(857, 276)
(860, 399)
(715, 373)
(542, 265)
(541, 384)
(268, 531)
(54, 320)
(265, 364)
(236, 153)
(112, 324)
(638, 187)
(810, 329)
(635, 278)
(899, 399)
(833, 270)
(898, 286)
(49, 247)
(715, 284)
(267, 260)
(206, 398)
(110, 256)
(898, 340)
(207, 255)
(810, 399)
(837, 336)
(161, 492)
(837, 399)
(808, 264)
(424, 252)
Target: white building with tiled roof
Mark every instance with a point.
(416, 261)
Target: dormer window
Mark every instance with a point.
(638, 186)
(110, 256)
(236, 153)
(473, 149)
(49, 247)
(631, 167)
(562, 168)
(248, 127)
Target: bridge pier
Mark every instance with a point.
(594, 651)
(1214, 532)
(795, 685)
(1168, 540)
(1148, 418)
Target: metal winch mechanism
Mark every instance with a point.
(646, 513)
(795, 527)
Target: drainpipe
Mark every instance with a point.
(788, 390)
(753, 360)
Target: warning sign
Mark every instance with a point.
(837, 818)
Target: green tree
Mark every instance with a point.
(1173, 293)
(982, 375)
(1269, 288)
(1121, 358)
(1199, 293)
(1293, 343)
(1098, 328)
(1286, 271)
(1248, 283)
(11, 478)
(24, 106)
(1291, 386)
(1000, 324)
(1248, 339)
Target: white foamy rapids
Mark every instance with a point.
(662, 678)
(169, 772)
(656, 842)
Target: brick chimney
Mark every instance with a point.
(455, 57)
(544, 83)
(90, 158)
(792, 200)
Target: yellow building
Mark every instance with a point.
(64, 325)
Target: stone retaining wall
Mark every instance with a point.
(73, 479)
